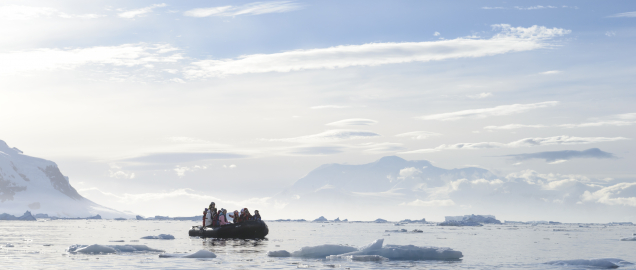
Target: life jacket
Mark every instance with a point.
(257, 217)
(204, 214)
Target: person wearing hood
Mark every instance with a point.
(205, 212)
(208, 218)
(235, 216)
(223, 217)
(247, 215)
(257, 215)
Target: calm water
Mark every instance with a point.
(42, 244)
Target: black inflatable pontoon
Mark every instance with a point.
(244, 230)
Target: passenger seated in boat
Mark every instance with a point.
(223, 217)
(257, 215)
(247, 215)
(208, 219)
(205, 212)
(235, 216)
(215, 219)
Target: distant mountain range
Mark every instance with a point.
(35, 184)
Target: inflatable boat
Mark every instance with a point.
(245, 230)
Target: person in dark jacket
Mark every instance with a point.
(257, 215)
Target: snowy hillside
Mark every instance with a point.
(35, 184)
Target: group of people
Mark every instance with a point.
(216, 218)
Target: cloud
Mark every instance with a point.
(527, 142)
(188, 140)
(256, 8)
(509, 39)
(419, 202)
(630, 14)
(317, 150)
(181, 170)
(171, 158)
(331, 136)
(610, 33)
(437, 34)
(418, 135)
(140, 12)
(231, 166)
(353, 122)
(598, 124)
(493, 8)
(383, 147)
(483, 113)
(15, 12)
(514, 126)
(127, 55)
(480, 95)
(610, 195)
(551, 72)
(553, 156)
(329, 107)
(535, 7)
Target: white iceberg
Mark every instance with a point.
(201, 254)
(358, 258)
(633, 238)
(279, 253)
(407, 252)
(322, 251)
(607, 263)
(161, 236)
(101, 249)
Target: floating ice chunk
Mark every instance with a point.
(201, 254)
(92, 249)
(322, 251)
(9, 245)
(629, 239)
(607, 263)
(359, 258)
(279, 253)
(118, 241)
(161, 236)
(409, 252)
(402, 230)
(100, 249)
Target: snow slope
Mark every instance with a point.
(35, 184)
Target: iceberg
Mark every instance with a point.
(279, 253)
(607, 263)
(161, 236)
(629, 238)
(201, 254)
(358, 258)
(321, 219)
(407, 252)
(322, 251)
(101, 249)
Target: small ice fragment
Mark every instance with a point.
(607, 263)
(118, 241)
(161, 236)
(407, 252)
(279, 253)
(199, 254)
(95, 249)
(629, 239)
(359, 258)
(9, 245)
(322, 251)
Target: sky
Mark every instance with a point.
(146, 105)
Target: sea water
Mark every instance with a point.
(44, 244)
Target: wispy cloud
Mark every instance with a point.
(183, 157)
(552, 156)
(330, 107)
(140, 12)
(15, 12)
(600, 123)
(317, 150)
(613, 195)
(483, 113)
(127, 55)
(514, 126)
(419, 202)
(353, 122)
(624, 15)
(480, 95)
(181, 170)
(331, 136)
(386, 147)
(550, 72)
(527, 142)
(535, 7)
(418, 135)
(255, 8)
(509, 39)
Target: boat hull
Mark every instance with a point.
(244, 230)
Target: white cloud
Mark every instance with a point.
(609, 195)
(535, 7)
(514, 126)
(181, 170)
(188, 140)
(626, 116)
(624, 15)
(610, 33)
(232, 166)
(15, 12)
(409, 172)
(480, 95)
(418, 135)
(483, 113)
(331, 136)
(116, 172)
(353, 122)
(493, 8)
(437, 34)
(509, 39)
(527, 142)
(330, 107)
(127, 55)
(385, 147)
(419, 202)
(255, 8)
(551, 72)
(598, 124)
(139, 12)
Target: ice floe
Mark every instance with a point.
(201, 254)
(607, 263)
(358, 258)
(279, 253)
(161, 236)
(633, 238)
(322, 251)
(102, 249)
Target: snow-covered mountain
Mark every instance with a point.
(35, 184)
